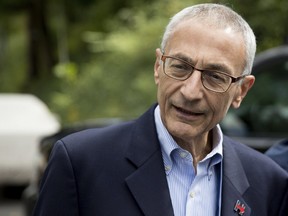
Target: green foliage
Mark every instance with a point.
(106, 50)
(118, 79)
(13, 62)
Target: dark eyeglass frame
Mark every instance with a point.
(232, 78)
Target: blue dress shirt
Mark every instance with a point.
(194, 194)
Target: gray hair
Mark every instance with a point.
(221, 17)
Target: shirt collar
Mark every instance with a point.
(168, 144)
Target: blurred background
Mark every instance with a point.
(66, 65)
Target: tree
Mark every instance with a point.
(93, 58)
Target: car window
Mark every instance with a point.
(264, 111)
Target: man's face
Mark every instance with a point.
(188, 109)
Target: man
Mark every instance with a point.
(174, 160)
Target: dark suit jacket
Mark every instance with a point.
(279, 153)
(118, 171)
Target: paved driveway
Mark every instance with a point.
(11, 208)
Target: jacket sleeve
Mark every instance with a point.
(58, 191)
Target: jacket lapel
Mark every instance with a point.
(148, 183)
(235, 183)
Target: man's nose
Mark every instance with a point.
(192, 88)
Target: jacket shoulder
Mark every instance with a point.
(94, 138)
(254, 161)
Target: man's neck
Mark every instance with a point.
(199, 147)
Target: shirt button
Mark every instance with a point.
(167, 168)
(183, 154)
(192, 195)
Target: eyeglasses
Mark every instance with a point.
(212, 80)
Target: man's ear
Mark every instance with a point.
(157, 65)
(243, 89)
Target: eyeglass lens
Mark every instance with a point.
(181, 70)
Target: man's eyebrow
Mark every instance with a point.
(183, 57)
(218, 67)
(210, 66)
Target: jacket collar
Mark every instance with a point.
(148, 183)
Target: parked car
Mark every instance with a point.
(262, 118)
(24, 120)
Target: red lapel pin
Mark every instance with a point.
(240, 208)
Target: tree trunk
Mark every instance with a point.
(40, 46)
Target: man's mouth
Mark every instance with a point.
(187, 112)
